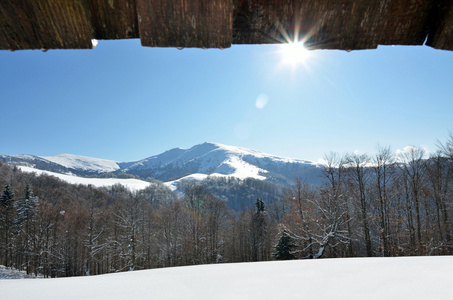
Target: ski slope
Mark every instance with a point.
(408, 278)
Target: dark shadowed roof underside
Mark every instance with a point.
(323, 24)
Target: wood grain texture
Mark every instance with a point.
(185, 23)
(45, 24)
(321, 24)
(441, 34)
(114, 19)
(333, 24)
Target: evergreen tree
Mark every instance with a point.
(284, 247)
(7, 201)
(26, 208)
(258, 230)
(259, 205)
(7, 197)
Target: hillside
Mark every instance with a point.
(130, 183)
(84, 163)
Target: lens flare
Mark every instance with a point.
(261, 101)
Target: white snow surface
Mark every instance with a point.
(242, 170)
(83, 163)
(10, 273)
(24, 156)
(131, 184)
(410, 278)
(198, 177)
(259, 154)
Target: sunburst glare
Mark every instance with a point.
(294, 53)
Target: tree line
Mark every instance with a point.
(56, 229)
(383, 205)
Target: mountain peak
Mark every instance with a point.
(215, 158)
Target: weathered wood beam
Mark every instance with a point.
(407, 22)
(185, 23)
(332, 24)
(441, 34)
(114, 19)
(322, 24)
(45, 24)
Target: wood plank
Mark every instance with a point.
(407, 22)
(185, 23)
(45, 24)
(441, 34)
(332, 24)
(114, 19)
(323, 24)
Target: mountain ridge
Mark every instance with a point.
(206, 158)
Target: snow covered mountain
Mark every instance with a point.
(84, 163)
(64, 163)
(213, 158)
(174, 164)
(36, 162)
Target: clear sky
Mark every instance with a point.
(125, 102)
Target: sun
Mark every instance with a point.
(294, 53)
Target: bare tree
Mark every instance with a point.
(414, 167)
(194, 199)
(446, 149)
(128, 218)
(440, 177)
(169, 222)
(359, 177)
(216, 214)
(383, 171)
(324, 216)
(94, 237)
(300, 217)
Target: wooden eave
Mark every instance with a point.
(321, 24)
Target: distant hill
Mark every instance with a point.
(199, 162)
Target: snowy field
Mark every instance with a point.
(352, 278)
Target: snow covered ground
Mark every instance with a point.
(197, 177)
(131, 184)
(408, 278)
(8, 273)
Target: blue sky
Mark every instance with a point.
(125, 102)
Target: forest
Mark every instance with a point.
(367, 206)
